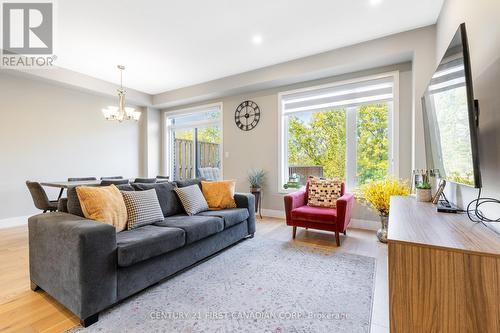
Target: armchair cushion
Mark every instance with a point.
(315, 214)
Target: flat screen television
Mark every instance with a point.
(451, 117)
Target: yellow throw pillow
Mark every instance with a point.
(103, 204)
(219, 195)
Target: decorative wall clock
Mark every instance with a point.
(247, 115)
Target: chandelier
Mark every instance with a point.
(121, 112)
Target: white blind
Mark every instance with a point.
(341, 96)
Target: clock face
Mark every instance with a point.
(247, 115)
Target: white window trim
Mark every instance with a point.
(393, 128)
(167, 133)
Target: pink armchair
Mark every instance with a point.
(299, 214)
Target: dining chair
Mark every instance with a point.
(145, 180)
(114, 177)
(162, 179)
(107, 182)
(77, 179)
(40, 198)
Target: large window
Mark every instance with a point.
(194, 143)
(338, 131)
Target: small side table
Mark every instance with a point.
(257, 192)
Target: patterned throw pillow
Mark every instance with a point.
(192, 199)
(143, 208)
(324, 192)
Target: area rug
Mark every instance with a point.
(258, 285)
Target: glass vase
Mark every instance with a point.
(382, 232)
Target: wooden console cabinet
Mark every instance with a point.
(444, 271)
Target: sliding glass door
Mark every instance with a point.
(194, 144)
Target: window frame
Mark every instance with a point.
(169, 132)
(351, 149)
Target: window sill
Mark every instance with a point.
(290, 190)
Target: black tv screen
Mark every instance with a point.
(450, 117)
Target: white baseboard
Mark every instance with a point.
(13, 222)
(364, 224)
(355, 223)
(273, 213)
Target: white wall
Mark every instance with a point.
(483, 30)
(49, 132)
(259, 148)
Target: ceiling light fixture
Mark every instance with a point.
(375, 2)
(121, 112)
(257, 39)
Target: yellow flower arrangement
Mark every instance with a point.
(378, 193)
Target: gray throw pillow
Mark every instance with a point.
(73, 204)
(143, 208)
(192, 199)
(189, 182)
(169, 202)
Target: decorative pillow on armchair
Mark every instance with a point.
(324, 192)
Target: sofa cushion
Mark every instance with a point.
(125, 187)
(169, 202)
(196, 227)
(230, 216)
(189, 182)
(146, 242)
(73, 205)
(315, 214)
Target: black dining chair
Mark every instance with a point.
(162, 179)
(114, 177)
(107, 182)
(40, 198)
(145, 180)
(78, 179)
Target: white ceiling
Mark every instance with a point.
(171, 44)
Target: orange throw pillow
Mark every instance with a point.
(219, 195)
(103, 204)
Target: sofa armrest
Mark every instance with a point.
(74, 261)
(344, 211)
(294, 200)
(247, 200)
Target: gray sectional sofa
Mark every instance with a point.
(87, 266)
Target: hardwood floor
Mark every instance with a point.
(22, 310)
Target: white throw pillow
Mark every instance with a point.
(192, 199)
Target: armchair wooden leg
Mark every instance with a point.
(337, 238)
(294, 232)
(345, 232)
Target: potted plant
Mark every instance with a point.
(256, 178)
(424, 192)
(377, 194)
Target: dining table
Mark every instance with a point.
(65, 184)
